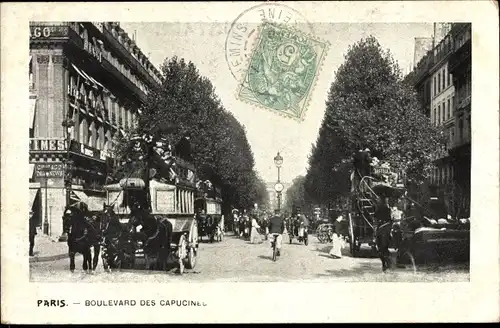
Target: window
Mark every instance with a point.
(443, 86)
(452, 104)
(452, 137)
(439, 82)
(449, 79)
(460, 131)
(439, 115)
(434, 83)
(449, 109)
(444, 112)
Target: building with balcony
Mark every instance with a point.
(443, 82)
(87, 82)
(460, 66)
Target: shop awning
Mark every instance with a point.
(33, 193)
(31, 171)
(87, 77)
(78, 196)
(32, 104)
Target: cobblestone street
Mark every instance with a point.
(236, 260)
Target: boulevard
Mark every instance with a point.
(236, 260)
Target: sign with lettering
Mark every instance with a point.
(38, 144)
(92, 49)
(52, 170)
(48, 31)
(78, 147)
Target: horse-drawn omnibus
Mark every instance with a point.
(416, 236)
(208, 209)
(155, 201)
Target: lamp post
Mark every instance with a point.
(278, 161)
(68, 125)
(46, 170)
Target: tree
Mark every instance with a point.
(296, 196)
(186, 105)
(369, 106)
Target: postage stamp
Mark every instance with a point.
(282, 70)
(243, 31)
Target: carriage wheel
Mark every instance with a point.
(191, 260)
(181, 253)
(352, 239)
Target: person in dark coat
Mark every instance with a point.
(277, 227)
(32, 232)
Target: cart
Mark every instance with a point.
(184, 244)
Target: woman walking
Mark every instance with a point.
(336, 251)
(254, 234)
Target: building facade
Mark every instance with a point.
(87, 83)
(443, 82)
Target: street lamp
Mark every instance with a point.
(68, 124)
(278, 161)
(46, 170)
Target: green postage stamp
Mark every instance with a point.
(282, 70)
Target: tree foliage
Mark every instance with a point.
(186, 105)
(296, 195)
(369, 105)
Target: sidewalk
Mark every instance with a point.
(48, 250)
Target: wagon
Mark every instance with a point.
(184, 242)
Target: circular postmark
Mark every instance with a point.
(243, 32)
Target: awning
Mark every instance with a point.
(83, 75)
(32, 104)
(86, 76)
(33, 193)
(78, 196)
(31, 171)
(113, 187)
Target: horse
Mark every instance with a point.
(156, 237)
(118, 248)
(82, 235)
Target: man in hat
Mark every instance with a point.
(276, 228)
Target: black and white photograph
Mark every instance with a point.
(267, 146)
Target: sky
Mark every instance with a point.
(204, 44)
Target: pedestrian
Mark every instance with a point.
(254, 234)
(336, 250)
(32, 232)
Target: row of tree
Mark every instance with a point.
(185, 105)
(368, 106)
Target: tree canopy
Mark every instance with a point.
(369, 106)
(186, 105)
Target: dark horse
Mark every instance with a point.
(83, 233)
(155, 234)
(118, 247)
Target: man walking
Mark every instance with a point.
(32, 232)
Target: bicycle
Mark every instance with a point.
(274, 246)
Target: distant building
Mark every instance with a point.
(92, 75)
(273, 195)
(422, 46)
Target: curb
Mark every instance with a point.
(57, 257)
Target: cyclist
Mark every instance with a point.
(276, 228)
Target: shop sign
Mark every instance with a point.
(38, 144)
(78, 147)
(92, 49)
(48, 31)
(52, 170)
